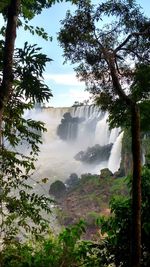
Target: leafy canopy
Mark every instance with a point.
(21, 207)
(110, 45)
(116, 245)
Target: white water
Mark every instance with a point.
(115, 156)
(56, 159)
(102, 132)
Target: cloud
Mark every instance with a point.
(66, 89)
(78, 95)
(64, 79)
(68, 98)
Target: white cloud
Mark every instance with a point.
(64, 79)
(68, 98)
(78, 95)
(66, 89)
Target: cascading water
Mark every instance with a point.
(115, 156)
(69, 131)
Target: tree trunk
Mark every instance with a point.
(10, 36)
(136, 189)
(136, 155)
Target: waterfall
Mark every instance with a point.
(102, 132)
(69, 131)
(115, 156)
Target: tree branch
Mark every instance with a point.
(136, 34)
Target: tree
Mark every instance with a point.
(117, 226)
(57, 189)
(111, 59)
(13, 11)
(21, 72)
(21, 85)
(20, 206)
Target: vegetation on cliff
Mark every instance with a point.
(88, 198)
(69, 249)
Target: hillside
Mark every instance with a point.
(88, 199)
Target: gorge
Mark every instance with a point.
(72, 131)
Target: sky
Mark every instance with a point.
(66, 88)
(60, 78)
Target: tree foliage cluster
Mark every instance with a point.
(22, 85)
(113, 59)
(69, 248)
(118, 226)
(93, 44)
(104, 56)
(64, 250)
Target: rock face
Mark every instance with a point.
(94, 154)
(88, 197)
(87, 200)
(68, 128)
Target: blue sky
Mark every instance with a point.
(60, 78)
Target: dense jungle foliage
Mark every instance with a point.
(101, 56)
(69, 249)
